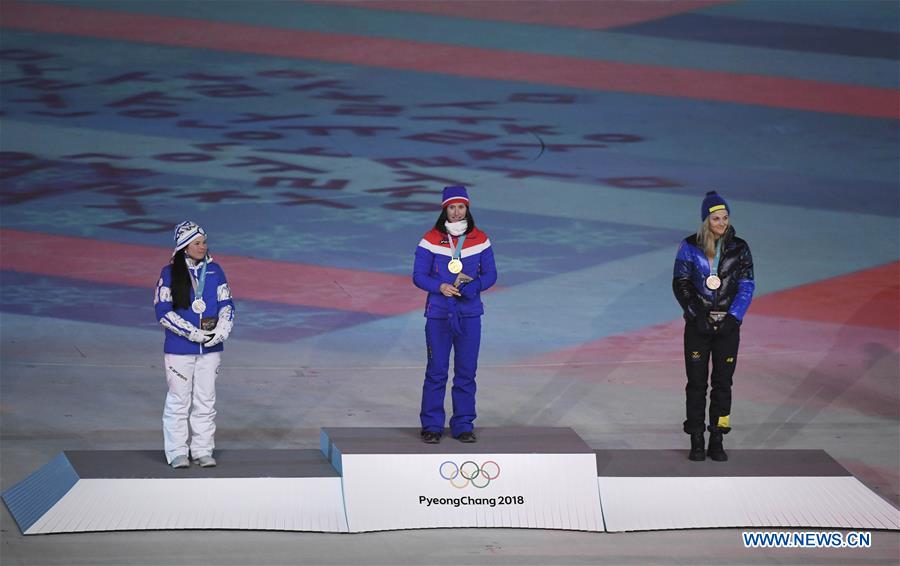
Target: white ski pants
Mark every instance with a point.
(189, 415)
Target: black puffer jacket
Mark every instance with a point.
(735, 270)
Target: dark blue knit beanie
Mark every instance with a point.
(712, 203)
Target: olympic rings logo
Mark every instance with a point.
(469, 473)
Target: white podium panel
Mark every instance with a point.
(519, 478)
(545, 491)
(261, 504)
(644, 490)
(116, 490)
(649, 504)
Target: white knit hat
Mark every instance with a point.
(185, 233)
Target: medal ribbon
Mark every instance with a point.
(200, 283)
(714, 269)
(456, 252)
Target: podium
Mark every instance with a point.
(375, 479)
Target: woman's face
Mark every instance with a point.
(196, 250)
(456, 212)
(718, 223)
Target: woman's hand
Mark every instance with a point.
(728, 325)
(449, 290)
(197, 336)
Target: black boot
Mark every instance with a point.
(716, 451)
(697, 453)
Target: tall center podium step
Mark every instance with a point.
(543, 478)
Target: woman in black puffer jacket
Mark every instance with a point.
(713, 283)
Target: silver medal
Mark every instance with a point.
(713, 282)
(198, 306)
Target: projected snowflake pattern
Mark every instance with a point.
(82, 222)
(224, 145)
(283, 242)
(49, 298)
(45, 297)
(581, 237)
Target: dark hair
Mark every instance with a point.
(181, 281)
(439, 224)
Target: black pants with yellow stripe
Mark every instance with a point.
(699, 347)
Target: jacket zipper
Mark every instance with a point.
(199, 324)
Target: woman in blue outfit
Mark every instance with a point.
(713, 282)
(454, 264)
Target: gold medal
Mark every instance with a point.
(455, 266)
(713, 282)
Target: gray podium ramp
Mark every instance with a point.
(741, 463)
(493, 440)
(661, 489)
(107, 490)
(109, 464)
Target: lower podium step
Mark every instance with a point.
(643, 490)
(112, 490)
(543, 478)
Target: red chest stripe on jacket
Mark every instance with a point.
(474, 238)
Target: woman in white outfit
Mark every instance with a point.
(193, 303)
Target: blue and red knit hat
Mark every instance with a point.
(712, 203)
(455, 194)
